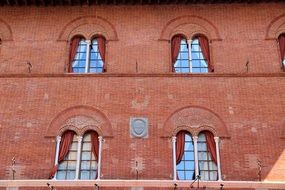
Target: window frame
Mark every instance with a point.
(88, 56)
(189, 44)
(79, 150)
(196, 157)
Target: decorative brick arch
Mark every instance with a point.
(195, 119)
(80, 119)
(275, 27)
(88, 26)
(189, 25)
(5, 31)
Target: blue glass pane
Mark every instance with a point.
(81, 56)
(60, 175)
(189, 175)
(177, 70)
(212, 166)
(195, 41)
(70, 175)
(79, 63)
(201, 56)
(85, 165)
(93, 165)
(203, 63)
(94, 42)
(189, 165)
(79, 70)
(93, 175)
(213, 176)
(196, 63)
(96, 70)
(183, 55)
(71, 165)
(94, 55)
(188, 146)
(202, 155)
(189, 155)
(195, 55)
(180, 166)
(203, 165)
(82, 47)
(100, 64)
(201, 137)
(184, 63)
(86, 156)
(177, 64)
(181, 175)
(204, 70)
(188, 137)
(84, 175)
(62, 165)
(196, 70)
(185, 70)
(202, 146)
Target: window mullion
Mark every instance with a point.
(189, 42)
(58, 139)
(174, 157)
(87, 63)
(217, 139)
(100, 138)
(79, 145)
(195, 139)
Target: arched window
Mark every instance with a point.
(207, 160)
(196, 156)
(281, 40)
(87, 56)
(191, 60)
(88, 159)
(67, 167)
(186, 165)
(76, 157)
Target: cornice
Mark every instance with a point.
(142, 75)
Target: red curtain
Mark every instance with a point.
(204, 44)
(73, 49)
(175, 47)
(95, 144)
(211, 145)
(65, 143)
(180, 143)
(102, 47)
(281, 40)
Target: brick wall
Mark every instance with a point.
(251, 105)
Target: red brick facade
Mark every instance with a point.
(245, 108)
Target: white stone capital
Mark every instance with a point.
(88, 42)
(173, 139)
(58, 138)
(79, 138)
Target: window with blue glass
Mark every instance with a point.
(207, 167)
(88, 163)
(185, 169)
(193, 55)
(87, 56)
(86, 167)
(67, 168)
